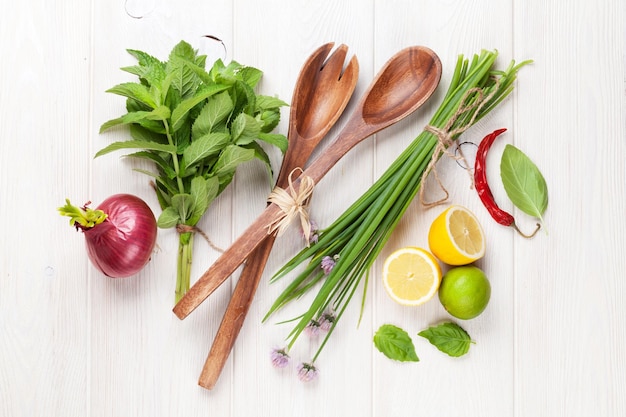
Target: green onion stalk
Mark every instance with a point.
(353, 242)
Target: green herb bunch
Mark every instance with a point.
(355, 239)
(196, 126)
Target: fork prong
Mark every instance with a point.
(334, 63)
(351, 70)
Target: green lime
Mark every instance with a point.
(465, 292)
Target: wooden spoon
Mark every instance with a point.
(320, 96)
(406, 81)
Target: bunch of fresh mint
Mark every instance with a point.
(196, 126)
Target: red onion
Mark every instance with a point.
(120, 234)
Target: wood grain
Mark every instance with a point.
(550, 344)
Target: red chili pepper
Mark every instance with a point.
(482, 187)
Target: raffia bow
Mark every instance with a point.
(292, 203)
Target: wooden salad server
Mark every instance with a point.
(320, 95)
(404, 84)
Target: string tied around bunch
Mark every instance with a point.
(447, 135)
(184, 228)
(292, 203)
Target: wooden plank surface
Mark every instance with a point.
(551, 343)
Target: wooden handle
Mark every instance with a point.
(235, 314)
(227, 263)
(256, 233)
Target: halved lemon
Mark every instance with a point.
(456, 237)
(411, 276)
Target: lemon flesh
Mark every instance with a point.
(411, 276)
(456, 237)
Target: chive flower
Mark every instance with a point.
(313, 328)
(307, 372)
(327, 264)
(280, 358)
(326, 321)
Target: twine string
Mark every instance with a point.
(447, 135)
(292, 203)
(183, 228)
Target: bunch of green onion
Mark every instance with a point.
(356, 238)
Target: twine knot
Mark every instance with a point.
(448, 134)
(184, 228)
(292, 203)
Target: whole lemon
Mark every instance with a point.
(465, 292)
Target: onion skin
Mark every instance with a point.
(122, 245)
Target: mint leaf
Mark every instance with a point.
(135, 91)
(203, 147)
(250, 76)
(137, 144)
(157, 159)
(181, 111)
(213, 114)
(277, 140)
(232, 156)
(267, 102)
(395, 343)
(449, 338)
(150, 69)
(168, 218)
(245, 129)
(523, 182)
(183, 204)
(183, 78)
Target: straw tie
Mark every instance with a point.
(292, 203)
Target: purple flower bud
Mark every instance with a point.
(307, 372)
(326, 321)
(312, 329)
(313, 237)
(280, 358)
(327, 264)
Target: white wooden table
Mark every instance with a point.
(74, 343)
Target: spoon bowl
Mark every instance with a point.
(413, 79)
(406, 81)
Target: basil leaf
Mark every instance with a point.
(523, 182)
(449, 338)
(395, 343)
